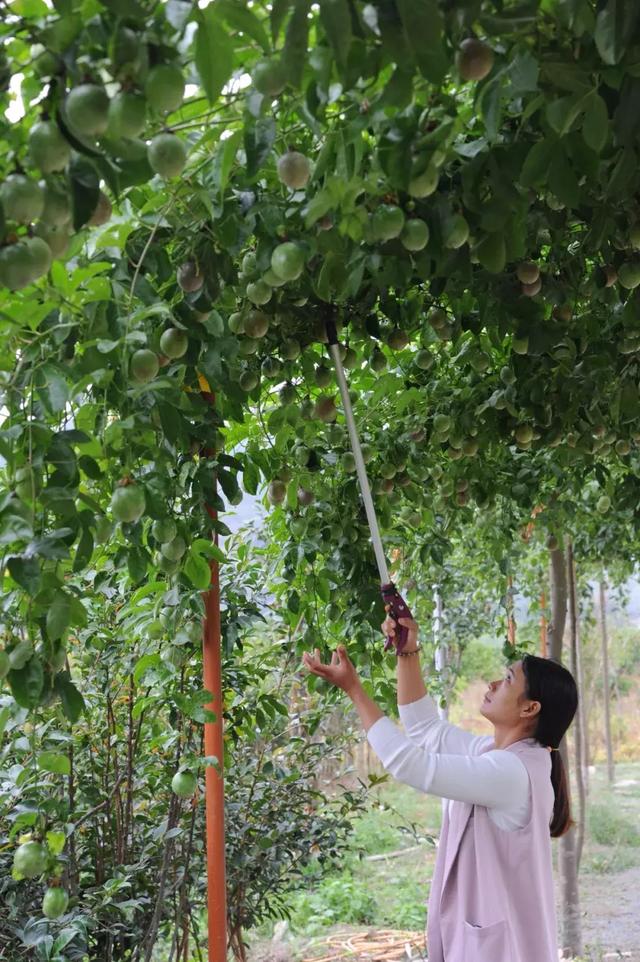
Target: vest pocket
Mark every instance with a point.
(487, 943)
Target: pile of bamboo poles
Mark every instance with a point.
(382, 945)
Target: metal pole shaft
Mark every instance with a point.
(360, 467)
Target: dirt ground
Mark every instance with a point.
(611, 913)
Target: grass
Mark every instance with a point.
(393, 892)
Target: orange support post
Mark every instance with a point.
(214, 745)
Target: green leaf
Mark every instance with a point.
(13, 527)
(223, 160)
(85, 189)
(620, 178)
(143, 664)
(423, 28)
(562, 113)
(489, 105)
(336, 20)
(250, 477)
(52, 388)
(595, 124)
(615, 27)
(213, 53)
(25, 572)
(58, 616)
(228, 482)
(71, 699)
(27, 683)
(51, 545)
(294, 53)
(259, 138)
(293, 602)
(54, 762)
(523, 74)
(278, 13)
(56, 842)
(332, 277)
(209, 549)
(535, 169)
(197, 570)
(238, 15)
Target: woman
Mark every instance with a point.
(492, 893)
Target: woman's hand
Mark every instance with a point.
(340, 672)
(389, 628)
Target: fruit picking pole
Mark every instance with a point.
(394, 604)
(214, 745)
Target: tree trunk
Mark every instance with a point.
(570, 921)
(605, 682)
(543, 625)
(578, 726)
(583, 706)
(441, 660)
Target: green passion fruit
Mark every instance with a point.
(30, 859)
(87, 108)
(269, 77)
(144, 365)
(455, 232)
(40, 254)
(629, 274)
(425, 183)
(127, 115)
(24, 262)
(22, 198)
(56, 210)
(287, 261)
(128, 503)
(249, 380)
(174, 342)
(164, 530)
(387, 222)
(184, 784)
(294, 169)
(56, 238)
(259, 292)
(474, 59)
(189, 277)
(48, 148)
(276, 492)
(174, 549)
(415, 234)
(256, 324)
(290, 348)
(527, 272)
(167, 155)
(164, 87)
(54, 903)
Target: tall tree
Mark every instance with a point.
(579, 721)
(568, 854)
(606, 690)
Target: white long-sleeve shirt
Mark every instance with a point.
(442, 759)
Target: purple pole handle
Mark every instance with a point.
(396, 607)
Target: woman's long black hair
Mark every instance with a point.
(553, 685)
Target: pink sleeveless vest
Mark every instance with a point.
(492, 895)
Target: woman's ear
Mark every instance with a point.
(533, 708)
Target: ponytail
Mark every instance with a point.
(553, 685)
(561, 820)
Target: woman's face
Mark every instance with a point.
(505, 704)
